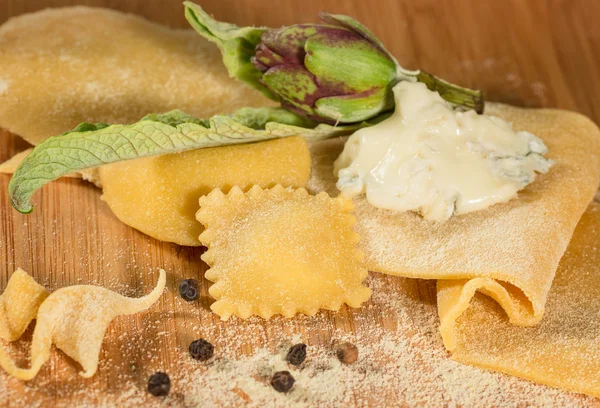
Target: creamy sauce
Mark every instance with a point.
(433, 160)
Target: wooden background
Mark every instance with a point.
(542, 53)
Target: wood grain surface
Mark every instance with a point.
(536, 53)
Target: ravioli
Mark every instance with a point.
(280, 251)
(159, 195)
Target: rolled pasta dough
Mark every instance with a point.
(159, 195)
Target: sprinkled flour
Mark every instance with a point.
(402, 362)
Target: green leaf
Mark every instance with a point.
(237, 45)
(257, 118)
(174, 118)
(86, 126)
(92, 145)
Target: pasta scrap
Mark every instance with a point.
(75, 319)
(280, 251)
(10, 166)
(19, 304)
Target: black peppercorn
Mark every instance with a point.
(201, 350)
(159, 384)
(188, 289)
(282, 381)
(297, 354)
(347, 353)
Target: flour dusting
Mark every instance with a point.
(4, 83)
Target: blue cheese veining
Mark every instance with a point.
(438, 162)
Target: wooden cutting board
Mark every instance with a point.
(530, 53)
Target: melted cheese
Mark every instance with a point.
(431, 159)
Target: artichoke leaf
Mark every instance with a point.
(304, 92)
(92, 145)
(237, 45)
(357, 27)
(354, 108)
(326, 58)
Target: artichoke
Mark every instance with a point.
(334, 72)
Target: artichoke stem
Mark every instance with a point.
(460, 97)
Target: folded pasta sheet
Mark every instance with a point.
(564, 349)
(10, 166)
(509, 251)
(64, 66)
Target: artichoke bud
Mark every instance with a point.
(334, 72)
(326, 72)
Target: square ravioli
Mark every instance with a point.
(280, 251)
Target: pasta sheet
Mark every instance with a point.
(64, 66)
(509, 252)
(564, 349)
(10, 166)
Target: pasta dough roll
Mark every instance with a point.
(159, 195)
